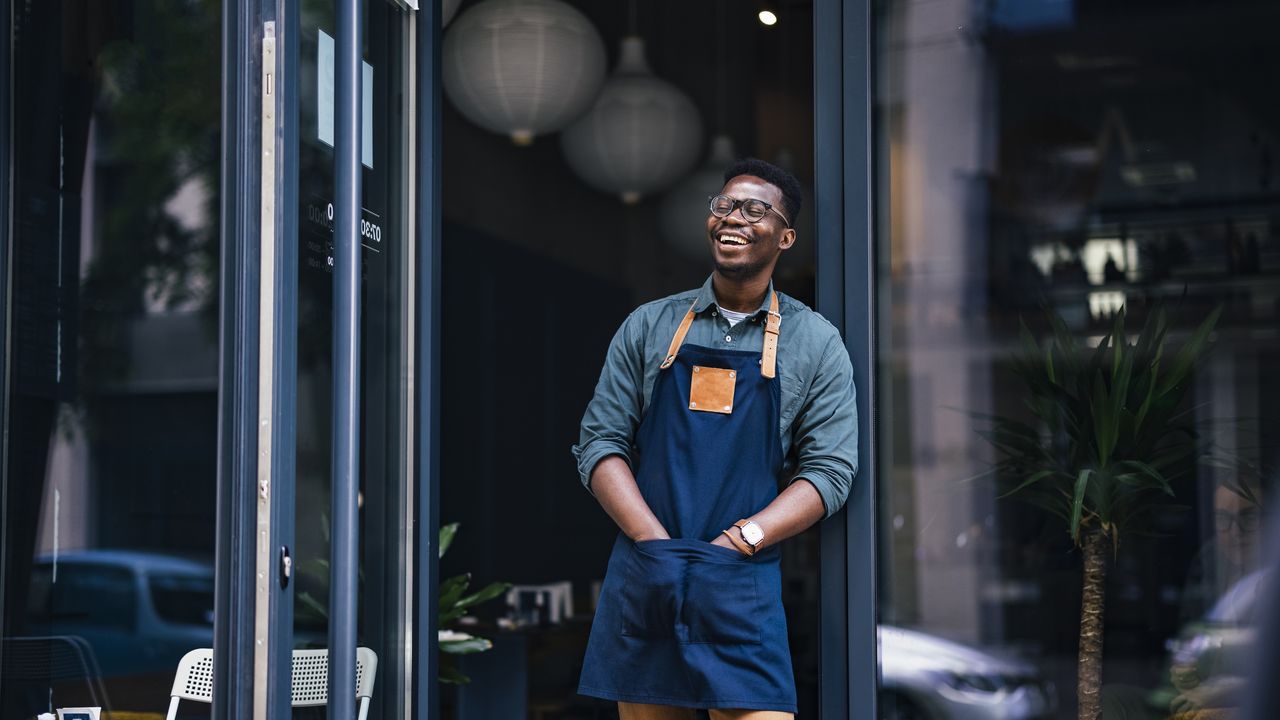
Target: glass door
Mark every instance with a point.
(383, 529)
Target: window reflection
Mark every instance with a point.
(112, 398)
(1082, 159)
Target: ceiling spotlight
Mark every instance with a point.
(768, 17)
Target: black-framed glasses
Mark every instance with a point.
(753, 210)
(1245, 521)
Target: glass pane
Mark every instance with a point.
(1085, 169)
(109, 486)
(384, 553)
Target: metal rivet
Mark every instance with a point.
(693, 404)
(727, 408)
(733, 375)
(697, 369)
(728, 338)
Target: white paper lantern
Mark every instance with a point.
(682, 216)
(447, 10)
(522, 67)
(641, 134)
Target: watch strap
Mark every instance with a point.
(738, 543)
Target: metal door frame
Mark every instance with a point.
(843, 133)
(6, 203)
(253, 498)
(427, 360)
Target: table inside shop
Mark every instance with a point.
(531, 672)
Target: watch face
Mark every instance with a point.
(752, 533)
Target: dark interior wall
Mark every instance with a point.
(524, 339)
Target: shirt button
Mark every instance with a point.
(728, 338)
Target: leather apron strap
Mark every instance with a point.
(768, 358)
(678, 339)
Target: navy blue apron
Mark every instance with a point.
(681, 621)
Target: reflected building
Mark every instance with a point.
(1054, 157)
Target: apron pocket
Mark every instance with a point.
(722, 604)
(648, 604)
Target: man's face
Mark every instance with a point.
(1236, 524)
(743, 249)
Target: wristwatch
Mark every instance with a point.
(751, 534)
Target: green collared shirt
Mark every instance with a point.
(818, 424)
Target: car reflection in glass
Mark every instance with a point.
(140, 612)
(924, 677)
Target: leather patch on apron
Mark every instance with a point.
(711, 389)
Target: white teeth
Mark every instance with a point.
(732, 240)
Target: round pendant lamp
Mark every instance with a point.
(448, 8)
(641, 134)
(682, 217)
(522, 68)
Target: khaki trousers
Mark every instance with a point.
(632, 711)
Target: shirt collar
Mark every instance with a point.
(707, 298)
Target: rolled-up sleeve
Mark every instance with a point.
(826, 428)
(609, 424)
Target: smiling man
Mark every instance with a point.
(709, 403)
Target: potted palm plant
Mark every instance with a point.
(454, 603)
(1109, 437)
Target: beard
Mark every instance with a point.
(747, 270)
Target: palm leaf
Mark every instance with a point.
(1191, 351)
(447, 533)
(467, 646)
(490, 592)
(1077, 502)
(1035, 478)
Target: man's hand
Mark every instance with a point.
(724, 542)
(615, 487)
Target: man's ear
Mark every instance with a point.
(788, 238)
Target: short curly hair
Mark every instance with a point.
(792, 191)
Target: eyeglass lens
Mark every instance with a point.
(753, 210)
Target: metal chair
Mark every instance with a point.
(310, 681)
(35, 663)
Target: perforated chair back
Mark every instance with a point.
(194, 679)
(310, 678)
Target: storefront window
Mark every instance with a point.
(1059, 166)
(111, 402)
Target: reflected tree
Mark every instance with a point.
(1109, 437)
(156, 110)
